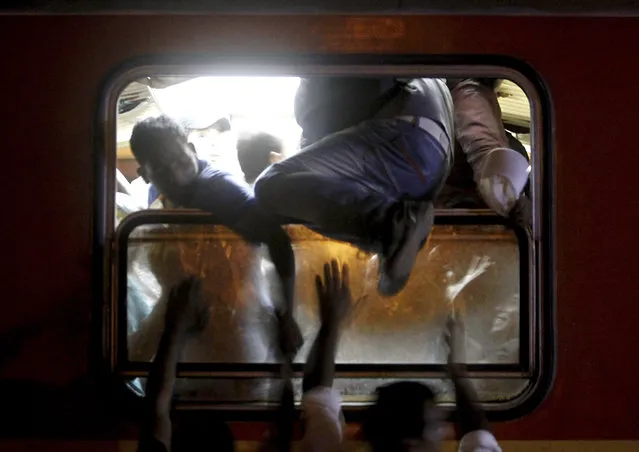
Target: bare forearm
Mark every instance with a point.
(157, 423)
(320, 365)
(471, 416)
(283, 258)
(163, 371)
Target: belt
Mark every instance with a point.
(430, 126)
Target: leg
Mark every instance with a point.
(360, 185)
(486, 145)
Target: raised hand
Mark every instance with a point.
(334, 293)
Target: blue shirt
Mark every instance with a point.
(154, 194)
(230, 201)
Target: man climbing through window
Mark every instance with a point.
(488, 161)
(372, 183)
(166, 158)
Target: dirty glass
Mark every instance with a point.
(472, 269)
(353, 390)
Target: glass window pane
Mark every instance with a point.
(474, 269)
(353, 390)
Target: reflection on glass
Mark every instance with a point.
(474, 269)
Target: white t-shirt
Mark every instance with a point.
(479, 441)
(323, 421)
(324, 425)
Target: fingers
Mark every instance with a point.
(319, 286)
(346, 278)
(327, 277)
(333, 282)
(335, 278)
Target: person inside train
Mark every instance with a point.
(187, 314)
(493, 179)
(196, 126)
(166, 158)
(491, 166)
(372, 180)
(256, 151)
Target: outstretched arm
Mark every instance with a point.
(320, 402)
(234, 206)
(257, 226)
(471, 416)
(334, 303)
(281, 436)
(185, 314)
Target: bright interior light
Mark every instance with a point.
(253, 103)
(254, 99)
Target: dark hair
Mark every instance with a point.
(151, 134)
(254, 153)
(398, 414)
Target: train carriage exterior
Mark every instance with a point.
(56, 76)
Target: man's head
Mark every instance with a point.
(256, 152)
(166, 158)
(404, 418)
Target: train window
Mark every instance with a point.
(475, 262)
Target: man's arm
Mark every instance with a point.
(471, 416)
(234, 206)
(281, 437)
(257, 226)
(335, 301)
(156, 424)
(320, 402)
(185, 314)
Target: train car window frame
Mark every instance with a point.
(539, 280)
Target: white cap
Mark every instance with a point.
(502, 178)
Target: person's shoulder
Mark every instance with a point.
(479, 441)
(208, 172)
(212, 178)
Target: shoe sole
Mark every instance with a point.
(399, 266)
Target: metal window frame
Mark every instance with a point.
(541, 253)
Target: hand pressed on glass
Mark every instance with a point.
(334, 293)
